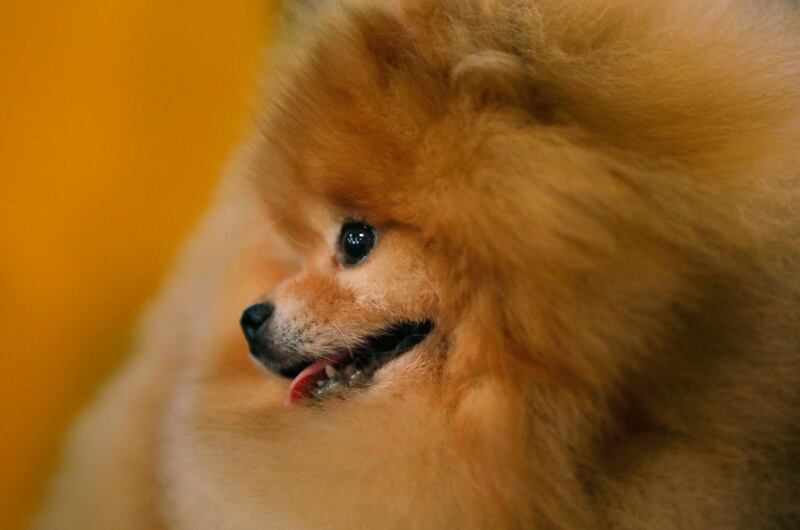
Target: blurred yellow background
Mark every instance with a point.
(115, 121)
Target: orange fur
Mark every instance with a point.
(595, 201)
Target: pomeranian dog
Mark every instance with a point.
(481, 264)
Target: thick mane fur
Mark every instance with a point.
(613, 182)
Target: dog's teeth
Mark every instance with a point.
(330, 371)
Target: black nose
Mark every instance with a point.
(254, 318)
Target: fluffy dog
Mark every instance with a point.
(508, 263)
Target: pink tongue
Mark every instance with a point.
(304, 382)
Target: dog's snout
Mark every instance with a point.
(253, 319)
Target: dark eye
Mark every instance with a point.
(355, 242)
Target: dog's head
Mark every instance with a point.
(364, 296)
(464, 197)
(382, 174)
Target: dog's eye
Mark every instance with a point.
(355, 242)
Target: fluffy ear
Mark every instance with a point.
(495, 78)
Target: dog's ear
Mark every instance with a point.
(494, 78)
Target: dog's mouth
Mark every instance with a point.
(354, 367)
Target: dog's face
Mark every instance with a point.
(363, 297)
